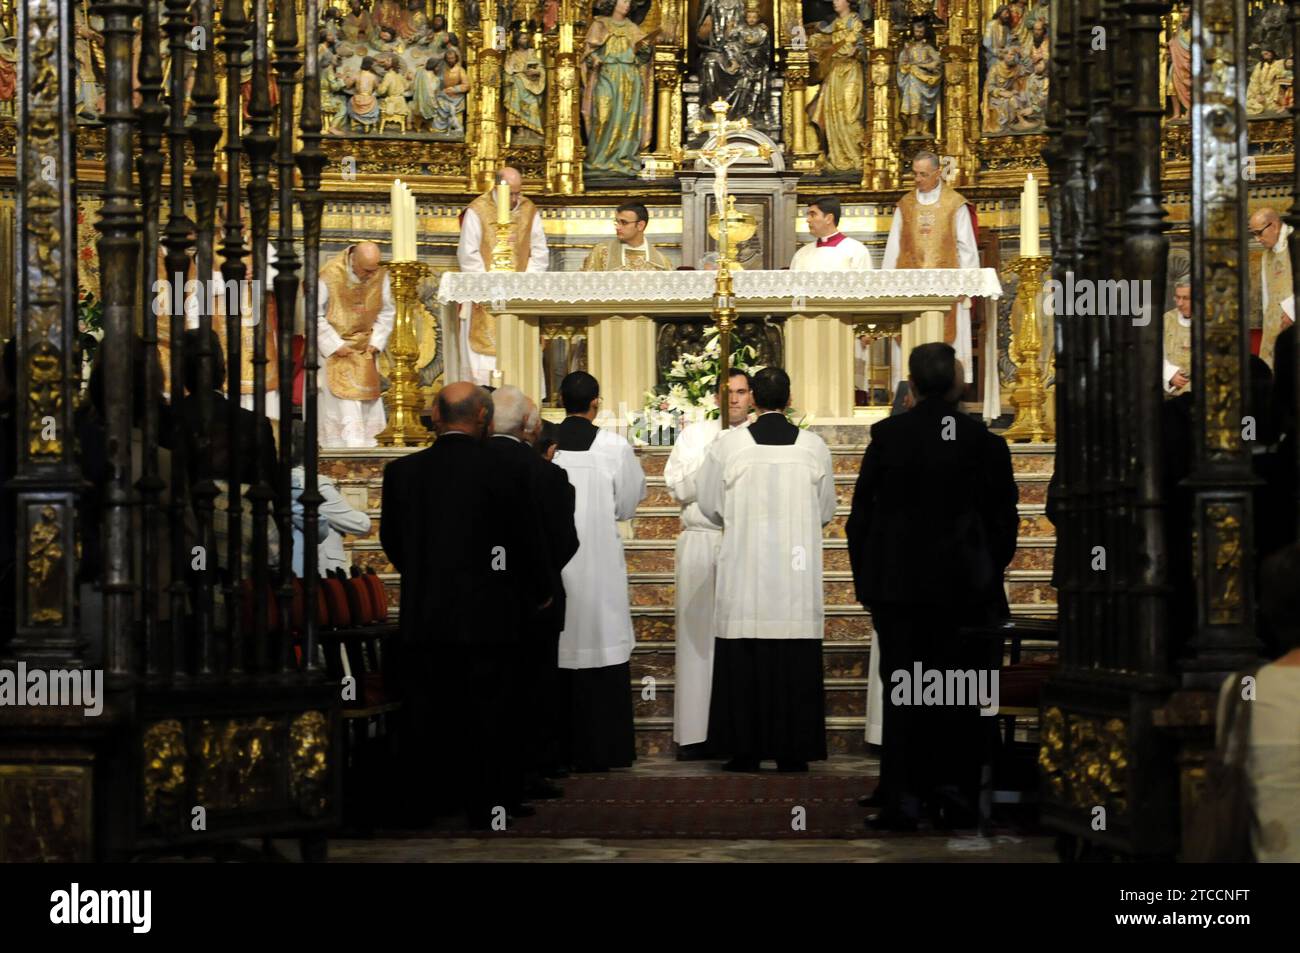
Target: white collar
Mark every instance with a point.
(1282, 234)
(929, 198)
(508, 436)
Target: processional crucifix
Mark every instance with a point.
(732, 226)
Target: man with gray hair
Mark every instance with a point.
(933, 228)
(1276, 296)
(550, 501)
(471, 578)
(1178, 340)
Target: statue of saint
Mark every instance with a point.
(424, 98)
(1264, 94)
(719, 22)
(333, 100)
(751, 96)
(617, 106)
(837, 110)
(363, 107)
(920, 73)
(1002, 92)
(392, 95)
(524, 86)
(449, 117)
(357, 23)
(1180, 63)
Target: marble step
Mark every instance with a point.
(844, 735)
(656, 555)
(1025, 458)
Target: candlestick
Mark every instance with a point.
(1029, 218)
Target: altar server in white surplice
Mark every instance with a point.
(833, 250)
(596, 644)
(695, 565)
(771, 487)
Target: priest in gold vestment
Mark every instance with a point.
(1275, 292)
(1178, 341)
(629, 250)
(476, 337)
(933, 229)
(355, 318)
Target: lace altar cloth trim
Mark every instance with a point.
(694, 286)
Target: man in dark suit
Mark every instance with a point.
(461, 534)
(932, 528)
(551, 499)
(253, 444)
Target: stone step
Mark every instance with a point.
(844, 735)
(656, 555)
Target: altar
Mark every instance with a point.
(619, 310)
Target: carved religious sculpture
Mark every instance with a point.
(718, 25)
(449, 114)
(751, 96)
(1264, 94)
(1180, 63)
(920, 73)
(525, 83)
(837, 110)
(617, 106)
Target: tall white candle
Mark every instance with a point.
(1029, 218)
(395, 216)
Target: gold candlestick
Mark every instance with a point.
(403, 400)
(1030, 397)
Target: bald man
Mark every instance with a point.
(476, 355)
(1275, 292)
(356, 316)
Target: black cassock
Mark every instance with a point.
(932, 528)
(458, 527)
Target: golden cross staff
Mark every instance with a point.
(719, 156)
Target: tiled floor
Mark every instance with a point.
(1005, 845)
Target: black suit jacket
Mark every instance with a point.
(460, 532)
(932, 515)
(552, 499)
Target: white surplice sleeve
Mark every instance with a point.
(827, 488)
(384, 320)
(968, 253)
(862, 260)
(327, 339)
(890, 260)
(686, 459)
(539, 255)
(709, 486)
(337, 513)
(468, 255)
(629, 484)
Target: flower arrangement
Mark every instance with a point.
(692, 393)
(90, 331)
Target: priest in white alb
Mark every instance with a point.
(473, 354)
(832, 250)
(933, 228)
(356, 315)
(694, 574)
(771, 487)
(596, 644)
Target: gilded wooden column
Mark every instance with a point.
(960, 130)
(47, 481)
(564, 148)
(666, 68)
(1223, 514)
(485, 102)
(880, 169)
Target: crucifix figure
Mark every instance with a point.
(719, 156)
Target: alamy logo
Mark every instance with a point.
(949, 687)
(73, 687)
(195, 297)
(1108, 298)
(134, 907)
